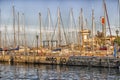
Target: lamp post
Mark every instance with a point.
(117, 32)
(37, 42)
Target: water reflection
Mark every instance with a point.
(54, 72)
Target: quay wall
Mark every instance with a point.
(66, 60)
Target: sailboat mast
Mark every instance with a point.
(71, 26)
(49, 21)
(104, 24)
(25, 43)
(81, 16)
(18, 30)
(40, 30)
(5, 36)
(92, 30)
(49, 28)
(86, 23)
(0, 29)
(14, 25)
(105, 9)
(119, 13)
(79, 40)
(81, 21)
(59, 29)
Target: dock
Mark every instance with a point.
(90, 61)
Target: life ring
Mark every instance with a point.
(61, 61)
(64, 61)
(55, 60)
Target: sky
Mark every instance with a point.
(31, 8)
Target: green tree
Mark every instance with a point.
(117, 40)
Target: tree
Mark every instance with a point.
(117, 40)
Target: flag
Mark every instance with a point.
(102, 20)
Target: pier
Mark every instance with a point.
(90, 61)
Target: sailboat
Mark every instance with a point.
(0, 32)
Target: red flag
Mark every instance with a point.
(103, 20)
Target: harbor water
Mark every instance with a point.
(55, 72)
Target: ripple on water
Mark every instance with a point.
(43, 72)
